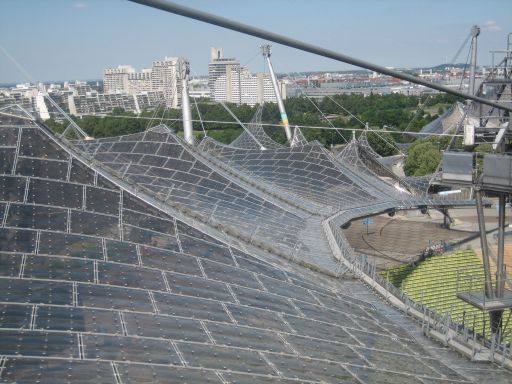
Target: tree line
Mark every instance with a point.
(395, 112)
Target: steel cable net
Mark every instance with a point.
(245, 140)
(308, 172)
(356, 154)
(167, 168)
(102, 285)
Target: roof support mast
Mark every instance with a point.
(188, 130)
(475, 31)
(265, 49)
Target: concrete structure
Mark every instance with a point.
(116, 79)
(220, 66)
(244, 88)
(162, 77)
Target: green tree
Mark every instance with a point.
(424, 155)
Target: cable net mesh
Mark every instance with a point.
(247, 141)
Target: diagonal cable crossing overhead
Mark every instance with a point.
(209, 18)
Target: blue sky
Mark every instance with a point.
(77, 39)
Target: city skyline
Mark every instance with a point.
(68, 40)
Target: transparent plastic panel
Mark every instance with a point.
(369, 375)
(56, 371)
(198, 287)
(64, 244)
(47, 192)
(396, 362)
(102, 182)
(17, 240)
(155, 239)
(441, 368)
(344, 306)
(7, 160)
(320, 330)
(209, 356)
(185, 229)
(78, 320)
(286, 289)
(12, 188)
(258, 318)
(326, 314)
(102, 296)
(252, 264)
(122, 147)
(244, 337)
(58, 268)
(102, 201)
(80, 173)
(378, 341)
(136, 374)
(138, 219)
(8, 136)
(33, 343)
(10, 264)
(37, 217)
(186, 306)
(15, 316)
(124, 348)
(307, 369)
(130, 276)
(47, 169)
(264, 300)
(169, 260)
(322, 349)
(206, 250)
(227, 274)
(33, 291)
(240, 378)
(166, 327)
(34, 143)
(121, 252)
(87, 223)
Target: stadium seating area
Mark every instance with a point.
(436, 281)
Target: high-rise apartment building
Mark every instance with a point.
(162, 78)
(240, 87)
(165, 78)
(116, 79)
(139, 82)
(220, 66)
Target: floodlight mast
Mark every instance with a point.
(266, 50)
(192, 13)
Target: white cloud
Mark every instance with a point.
(80, 5)
(491, 25)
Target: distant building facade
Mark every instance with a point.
(240, 87)
(162, 78)
(116, 79)
(219, 66)
(230, 82)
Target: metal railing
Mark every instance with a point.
(439, 325)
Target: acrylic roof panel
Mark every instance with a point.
(162, 164)
(356, 155)
(254, 136)
(100, 286)
(309, 172)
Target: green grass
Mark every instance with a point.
(433, 282)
